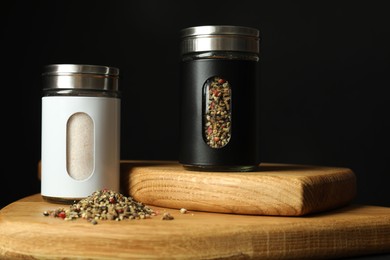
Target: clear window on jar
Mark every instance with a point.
(80, 146)
(217, 112)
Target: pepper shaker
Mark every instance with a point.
(219, 87)
(80, 150)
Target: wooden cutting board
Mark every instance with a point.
(275, 189)
(349, 231)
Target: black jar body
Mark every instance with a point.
(219, 108)
(241, 151)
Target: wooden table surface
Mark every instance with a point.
(352, 230)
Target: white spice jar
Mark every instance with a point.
(80, 150)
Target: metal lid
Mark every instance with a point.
(70, 76)
(219, 38)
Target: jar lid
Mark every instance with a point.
(71, 76)
(219, 38)
(58, 69)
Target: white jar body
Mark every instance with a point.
(80, 146)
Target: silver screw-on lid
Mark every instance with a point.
(71, 76)
(219, 38)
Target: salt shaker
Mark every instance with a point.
(80, 149)
(219, 90)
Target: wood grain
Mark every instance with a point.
(349, 231)
(275, 189)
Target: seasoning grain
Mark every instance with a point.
(167, 216)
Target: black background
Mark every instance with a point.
(324, 73)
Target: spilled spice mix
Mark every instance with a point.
(104, 205)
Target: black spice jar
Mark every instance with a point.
(219, 112)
